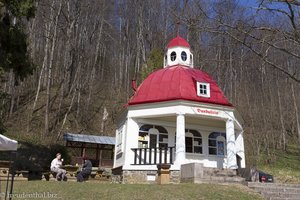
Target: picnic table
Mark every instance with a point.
(71, 169)
(5, 164)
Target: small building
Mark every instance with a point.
(178, 115)
(99, 149)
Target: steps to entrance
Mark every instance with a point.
(276, 191)
(196, 173)
(216, 179)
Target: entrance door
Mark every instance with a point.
(220, 153)
(220, 148)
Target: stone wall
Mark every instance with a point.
(175, 176)
(130, 176)
(141, 176)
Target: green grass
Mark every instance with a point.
(286, 165)
(103, 191)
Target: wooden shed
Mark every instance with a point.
(99, 149)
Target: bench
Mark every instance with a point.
(46, 175)
(100, 173)
(22, 173)
(71, 172)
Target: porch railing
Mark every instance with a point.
(153, 156)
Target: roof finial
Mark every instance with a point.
(177, 26)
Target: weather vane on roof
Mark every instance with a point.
(177, 26)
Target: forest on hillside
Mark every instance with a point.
(79, 58)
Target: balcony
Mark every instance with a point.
(153, 156)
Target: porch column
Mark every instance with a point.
(230, 138)
(240, 149)
(180, 140)
(131, 141)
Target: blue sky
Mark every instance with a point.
(249, 3)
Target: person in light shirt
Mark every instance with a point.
(56, 165)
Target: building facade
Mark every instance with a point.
(178, 115)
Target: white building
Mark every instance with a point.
(178, 115)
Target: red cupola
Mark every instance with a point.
(178, 42)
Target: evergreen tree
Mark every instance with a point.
(154, 62)
(13, 40)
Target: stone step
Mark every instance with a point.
(269, 195)
(258, 184)
(227, 178)
(280, 198)
(218, 172)
(278, 189)
(219, 179)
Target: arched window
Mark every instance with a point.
(173, 56)
(217, 143)
(193, 141)
(183, 56)
(152, 136)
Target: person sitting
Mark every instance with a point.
(55, 167)
(86, 170)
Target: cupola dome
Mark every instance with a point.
(178, 52)
(179, 83)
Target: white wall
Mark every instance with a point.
(240, 149)
(120, 145)
(137, 116)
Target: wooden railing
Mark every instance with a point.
(153, 156)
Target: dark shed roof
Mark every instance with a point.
(94, 139)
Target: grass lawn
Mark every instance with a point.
(286, 168)
(103, 191)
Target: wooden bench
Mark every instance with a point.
(46, 175)
(22, 173)
(71, 172)
(99, 173)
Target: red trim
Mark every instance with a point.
(148, 102)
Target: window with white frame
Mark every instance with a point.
(203, 89)
(183, 56)
(193, 141)
(119, 139)
(152, 136)
(173, 56)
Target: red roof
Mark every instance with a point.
(178, 41)
(177, 83)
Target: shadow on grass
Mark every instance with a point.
(36, 158)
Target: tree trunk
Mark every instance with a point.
(48, 93)
(296, 112)
(283, 130)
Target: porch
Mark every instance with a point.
(158, 142)
(167, 155)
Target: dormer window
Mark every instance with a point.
(183, 56)
(173, 56)
(203, 89)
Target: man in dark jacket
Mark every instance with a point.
(86, 170)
